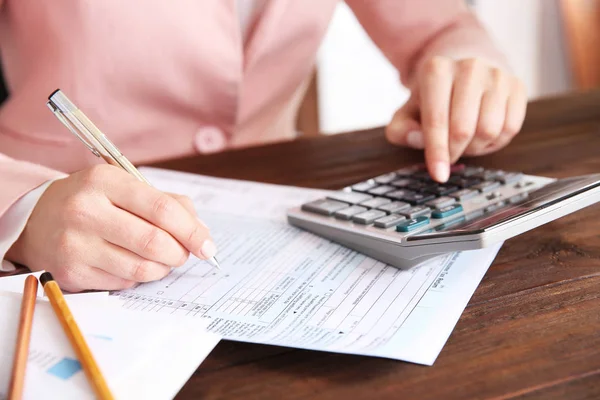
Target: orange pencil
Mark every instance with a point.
(91, 369)
(17, 379)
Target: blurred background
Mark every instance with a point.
(553, 45)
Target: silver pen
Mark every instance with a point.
(80, 125)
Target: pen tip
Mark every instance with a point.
(215, 263)
(46, 277)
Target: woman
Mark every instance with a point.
(173, 79)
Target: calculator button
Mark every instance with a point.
(368, 217)
(444, 212)
(349, 197)
(403, 183)
(412, 224)
(518, 198)
(442, 190)
(487, 186)
(376, 202)
(381, 190)
(364, 186)
(325, 207)
(457, 168)
(418, 198)
(441, 202)
(416, 212)
(385, 179)
(489, 174)
(389, 221)
(464, 182)
(464, 194)
(398, 194)
(510, 177)
(394, 207)
(470, 171)
(494, 207)
(347, 213)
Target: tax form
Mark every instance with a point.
(284, 286)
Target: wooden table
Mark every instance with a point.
(532, 328)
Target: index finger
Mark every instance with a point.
(436, 92)
(165, 212)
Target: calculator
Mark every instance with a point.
(404, 217)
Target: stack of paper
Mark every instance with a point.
(284, 286)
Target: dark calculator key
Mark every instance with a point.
(389, 221)
(349, 197)
(464, 182)
(381, 190)
(412, 224)
(385, 179)
(394, 207)
(457, 168)
(375, 202)
(349, 212)
(403, 182)
(418, 198)
(422, 175)
(398, 194)
(416, 212)
(470, 171)
(487, 186)
(442, 190)
(368, 217)
(364, 186)
(324, 207)
(464, 194)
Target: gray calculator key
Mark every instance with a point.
(489, 174)
(381, 190)
(510, 177)
(416, 212)
(487, 186)
(349, 197)
(441, 202)
(385, 179)
(368, 217)
(375, 202)
(389, 221)
(324, 207)
(398, 194)
(349, 212)
(470, 171)
(403, 183)
(364, 186)
(494, 207)
(394, 207)
(464, 194)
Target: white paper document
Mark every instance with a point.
(284, 286)
(140, 356)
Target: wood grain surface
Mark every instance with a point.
(532, 328)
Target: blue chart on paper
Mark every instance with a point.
(65, 368)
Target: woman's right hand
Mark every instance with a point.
(100, 228)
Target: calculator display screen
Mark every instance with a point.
(479, 222)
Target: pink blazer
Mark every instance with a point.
(166, 79)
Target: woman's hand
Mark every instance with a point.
(465, 107)
(100, 228)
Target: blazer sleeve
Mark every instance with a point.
(19, 177)
(411, 31)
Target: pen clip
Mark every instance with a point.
(68, 124)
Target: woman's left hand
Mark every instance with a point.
(465, 107)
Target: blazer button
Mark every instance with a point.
(209, 139)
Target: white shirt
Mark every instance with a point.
(14, 220)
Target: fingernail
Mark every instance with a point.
(208, 249)
(441, 171)
(415, 139)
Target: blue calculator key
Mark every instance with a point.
(447, 211)
(412, 224)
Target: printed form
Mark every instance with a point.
(284, 286)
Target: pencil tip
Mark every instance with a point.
(46, 277)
